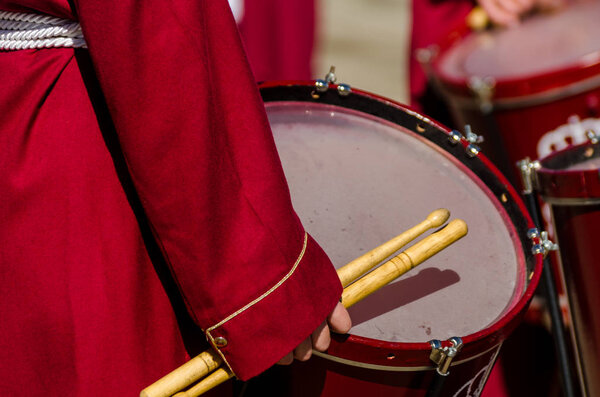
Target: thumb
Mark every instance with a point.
(339, 320)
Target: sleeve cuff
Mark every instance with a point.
(260, 333)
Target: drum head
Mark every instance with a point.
(541, 44)
(357, 180)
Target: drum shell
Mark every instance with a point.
(518, 110)
(512, 134)
(411, 370)
(574, 196)
(322, 377)
(576, 227)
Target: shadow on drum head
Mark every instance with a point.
(402, 292)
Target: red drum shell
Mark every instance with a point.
(569, 181)
(557, 182)
(409, 363)
(570, 67)
(523, 107)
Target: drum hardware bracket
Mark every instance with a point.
(484, 89)
(455, 137)
(322, 85)
(545, 245)
(471, 136)
(472, 150)
(528, 170)
(443, 356)
(592, 136)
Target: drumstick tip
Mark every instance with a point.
(438, 217)
(457, 227)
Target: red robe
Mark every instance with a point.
(137, 178)
(278, 37)
(432, 20)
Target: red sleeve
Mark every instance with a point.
(198, 146)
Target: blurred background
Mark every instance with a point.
(366, 40)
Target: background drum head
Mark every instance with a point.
(543, 43)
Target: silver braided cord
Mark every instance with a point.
(19, 31)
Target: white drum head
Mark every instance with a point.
(357, 181)
(540, 44)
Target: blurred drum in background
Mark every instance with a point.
(569, 180)
(361, 168)
(513, 85)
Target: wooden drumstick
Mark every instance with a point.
(208, 361)
(370, 283)
(211, 381)
(185, 375)
(403, 262)
(359, 266)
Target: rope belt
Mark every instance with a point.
(20, 31)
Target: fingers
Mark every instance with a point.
(550, 5)
(304, 350)
(321, 338)
(508, 12)
(498, 14)
(339, 319)
(286, 360)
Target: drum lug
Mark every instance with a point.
(528, 170)
(483, 88)
(471, 136)
(455, 137)
(322, 85)
(544, 246)
(472, 150)
(591, 136)
(443, 356)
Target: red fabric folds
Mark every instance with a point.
(183, 152)
(279, 38)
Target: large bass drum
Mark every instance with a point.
(361, 169)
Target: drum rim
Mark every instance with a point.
(517, 91)
(416, 355)
(559, 186)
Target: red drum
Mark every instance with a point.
(513, 85)
(569, 180)
(362, 169)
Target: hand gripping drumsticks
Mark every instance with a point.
(208, 361)
(365, 286)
